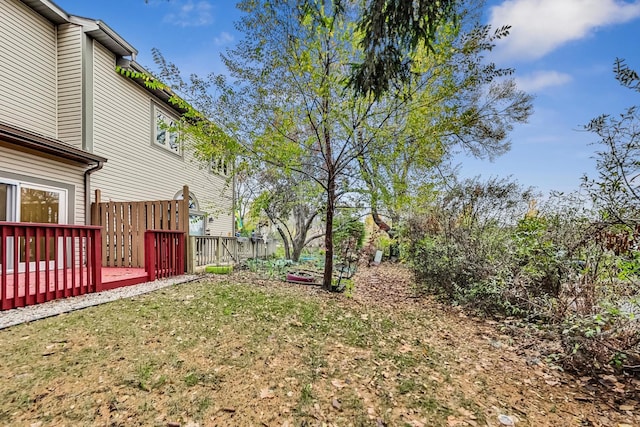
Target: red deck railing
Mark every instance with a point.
(164, 253)
(42, 262)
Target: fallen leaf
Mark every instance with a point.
(406, 348)
(506, 420)
(336, 404)
(452, 421)
(465, 412)
(266, 393)
(338, 383)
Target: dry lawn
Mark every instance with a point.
(237, 350)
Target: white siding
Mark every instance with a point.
(137, 170)
(40, 168)
(28, 62)
(70, 84)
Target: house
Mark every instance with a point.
(75, 134)
(70, 124)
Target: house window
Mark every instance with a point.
(25, 202)
(196, 217)
(166, 132)
(220, 166)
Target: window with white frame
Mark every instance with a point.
(197, 225)
(166, 132)
(220, 166)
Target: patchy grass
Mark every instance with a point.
(235, 354)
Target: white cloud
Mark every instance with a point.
(223, 39)
(540, 26)
(191, 14)
(542, 79)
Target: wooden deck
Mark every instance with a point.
(114, 277)
(65, 261)
(77, 282)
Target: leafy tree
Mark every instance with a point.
(292, 204)
(297, 112)
(393, 31)
(454, 100)
(616, 189)
(348, 233)
(288, 103)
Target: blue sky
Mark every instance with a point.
(562, 50)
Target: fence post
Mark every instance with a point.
(219, 250)
(182, 253)
(95, 210)
(191, 255)
(96, 259)
(150, 255)
(235, 251)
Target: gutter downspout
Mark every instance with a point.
(87, 191)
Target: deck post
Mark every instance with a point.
(96, 259)
(95, 210)
(219, 251)
(191, 255)
(150, 255)
(185, 224)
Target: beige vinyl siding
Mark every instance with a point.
(138, 170)
(40, 168)
(28, 61)
(70, 84)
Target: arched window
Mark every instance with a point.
(197, 223)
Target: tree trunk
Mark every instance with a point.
(328, 236)
(285, 242)
(379, 222)
(297, 250)
(298, 240)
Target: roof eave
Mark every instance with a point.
(101, 32)
(49, 10)
(47, 145)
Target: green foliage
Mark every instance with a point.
(482, 244)
(392, 30)
(443, 93)
(554, 264)
(288, 105)
(628, 267)
(610, 337)
(348, 233)
(383, 243)
(539, 259)
(461, 249)
(219, 269)
(615, 191)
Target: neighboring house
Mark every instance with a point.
(70, 124)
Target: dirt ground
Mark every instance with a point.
(521, 378)
(269, 353)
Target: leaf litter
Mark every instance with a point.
(255, 351)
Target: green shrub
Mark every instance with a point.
(219, 269)
(477, 247)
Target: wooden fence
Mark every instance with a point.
(164, 253)
(43, 262)
(124, 224)
(218, 250)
